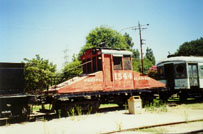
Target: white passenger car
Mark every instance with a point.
(182, 72)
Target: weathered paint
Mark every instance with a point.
(87, 83)
(123, 79)
(126, 80)
(108, 79)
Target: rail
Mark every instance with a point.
(157, 125)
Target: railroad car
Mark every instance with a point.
(13, 100)
(108, 76)
(182, 74)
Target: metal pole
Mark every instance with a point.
(142, 63)
(141, 43)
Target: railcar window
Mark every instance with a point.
(127, 62)
(194, 70)
(201, 71)
(117, 63)
(94, 64)
(161, 72)
(99, 63)
(88, 66)
(180, 71)
(84, 67)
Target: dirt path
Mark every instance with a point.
(107, 122)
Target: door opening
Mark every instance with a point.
(193, 76)
(169, 75)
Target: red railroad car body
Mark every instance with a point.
(107, 70)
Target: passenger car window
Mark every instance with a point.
(161, 72)
(180, 70)
(201, 71)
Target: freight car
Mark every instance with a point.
(13, 100)
(108, 77)
(182, 75)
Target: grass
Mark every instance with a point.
(172, 99)
(156, 106)
(72, 114)
(153, 130)
(89, 110)
(36, 108)
(77, 111)
(108, 105)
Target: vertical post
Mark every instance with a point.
(140, 29)
(142, 63)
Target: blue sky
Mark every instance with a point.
(48, 27)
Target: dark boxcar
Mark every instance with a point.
(13, 101)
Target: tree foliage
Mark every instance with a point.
(129, 41)
(136, 53)
(104, 37)
(150, 55)
(72, 69)
(192, 48)
(38, 72)
(107, 37)
(147, 64)
(137, 65)
(152, 72)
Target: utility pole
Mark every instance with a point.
(142, 63)
(140, 28)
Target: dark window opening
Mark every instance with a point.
(127, 62)
(99, 63)
(88, 66)
(161, 72)
(180, 71)
(94, 64)
(117, 63)
(84, 67)
(169, 75)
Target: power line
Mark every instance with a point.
(140, 28)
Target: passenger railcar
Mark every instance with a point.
(182, 74)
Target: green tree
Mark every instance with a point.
(104, 37)
(99, 37)
(72, 69)
(38, 72)
(136, 54)
(147, 64)
(137, 64)
(150, 56)
(192, 48)
(152, 72)
(128, 40)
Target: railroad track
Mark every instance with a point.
(158, 125)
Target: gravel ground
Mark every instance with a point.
(110, 121)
